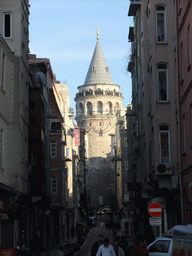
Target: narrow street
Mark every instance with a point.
(93, 234)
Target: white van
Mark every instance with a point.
(176, 241)
(161, 246)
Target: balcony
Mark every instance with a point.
(98, 92)
(131, 34)
(134, 5)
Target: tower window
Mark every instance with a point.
(100, 107)
(100, 133)
(89, 108)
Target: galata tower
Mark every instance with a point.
(98, 104)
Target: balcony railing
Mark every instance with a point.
(98, 92)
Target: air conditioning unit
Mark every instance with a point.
(164, 169)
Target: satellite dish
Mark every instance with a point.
(40, 78)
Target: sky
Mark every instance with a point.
(65, 32)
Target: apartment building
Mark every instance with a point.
(154, 160)
(14, 122)
(183, 11)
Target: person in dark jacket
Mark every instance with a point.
(140, 248)
(36, 246)
(96, 245)
(123, 243)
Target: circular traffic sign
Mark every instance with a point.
(155, 209)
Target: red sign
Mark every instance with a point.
(8, 252)
(155, 209)
(77, 138)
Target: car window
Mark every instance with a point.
(160, 246)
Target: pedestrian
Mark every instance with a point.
(96, 245)
(118, 250)
(140, 249)
(114, 231)
(36, 246)
(123, 243)
(106, 249)
(102, 224)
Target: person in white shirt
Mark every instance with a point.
(106, 249)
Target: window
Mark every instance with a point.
(99, 123)
(90, 124)
(125, 142)
(81, 109)
(161, 246)
(53, 148)
(109, 108)
(89, 108)
(100, 107)
(100, 133)
(126, 166)
(164, 138)
(67, 152)
(7, 25)
(53, 185)
(189, 45)
(1, 148)
(161, 33)
(162, 81)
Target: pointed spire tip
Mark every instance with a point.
(98, 32)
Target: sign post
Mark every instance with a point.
(155, 211)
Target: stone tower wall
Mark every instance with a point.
(98, 104)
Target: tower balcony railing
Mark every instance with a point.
(98, 92)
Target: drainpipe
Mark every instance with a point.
(178, 107)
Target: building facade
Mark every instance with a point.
(14, 21)
(98, 103)
(183, 12)
(154, 152)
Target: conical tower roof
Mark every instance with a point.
(98, 72)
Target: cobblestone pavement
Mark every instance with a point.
(92, 237)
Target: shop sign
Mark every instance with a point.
(77, 138)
